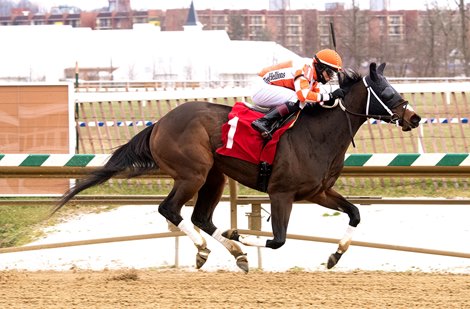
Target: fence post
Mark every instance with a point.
(254, 223)
(233, 189)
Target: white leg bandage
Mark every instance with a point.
(231, 246)
(224, 241)
(346, 240)
(189, 230)
(349, 232)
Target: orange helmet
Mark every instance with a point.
(330, 58)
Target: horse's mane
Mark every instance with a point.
(348, 77)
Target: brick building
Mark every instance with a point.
(361, 35)
(302, 31)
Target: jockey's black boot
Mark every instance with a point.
(264, 124)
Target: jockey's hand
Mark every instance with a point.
(338, 93)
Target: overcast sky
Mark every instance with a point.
(237, 4)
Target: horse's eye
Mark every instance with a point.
(387, 93)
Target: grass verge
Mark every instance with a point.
(20, 224)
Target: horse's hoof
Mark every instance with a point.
(333, 260)
(242, 262)
(231, 234)
(201, 257)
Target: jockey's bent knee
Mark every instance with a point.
(274, 244)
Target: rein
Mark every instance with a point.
(392, 117)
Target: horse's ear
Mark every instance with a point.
(373, 71)
(381, 68)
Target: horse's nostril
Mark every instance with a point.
(415, 120)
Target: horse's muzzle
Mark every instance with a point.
(409, 122)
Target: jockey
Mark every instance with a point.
(288, 87)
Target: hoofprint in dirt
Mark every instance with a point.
(441, 227)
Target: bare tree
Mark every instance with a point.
(448, 28)
(354, 25)
(131, 71)
(437, 42)
(463, 36)
(236, 27)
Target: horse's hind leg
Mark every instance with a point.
(333, 200)
(170, 208)
(208, 198)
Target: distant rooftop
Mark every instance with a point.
(192, 16)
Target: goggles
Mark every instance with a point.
(324, 68)
(330, 72)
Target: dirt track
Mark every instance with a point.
(188, 289)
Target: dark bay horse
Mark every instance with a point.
(308, 162)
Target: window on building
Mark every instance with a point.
(324, 41)
(140, 20)
(74, 23)
(293, 30)
(293, 20)
(324, 26)
(382, 22)
(257, 20)
(219, 20)
(395, 20)
(255, 31)
(394, 30)
(103, 23)
(220, 27)
(293, 40)
(395, 27)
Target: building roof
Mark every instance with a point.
(142, 53)
(191, 20)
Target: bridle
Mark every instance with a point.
(373, 98)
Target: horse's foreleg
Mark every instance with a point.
(248, 240)
(333, 200)
(281, 207)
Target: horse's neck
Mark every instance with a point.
(329, 127)
(336, 125)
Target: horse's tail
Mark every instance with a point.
(131, 159)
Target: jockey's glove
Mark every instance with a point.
(338, 93)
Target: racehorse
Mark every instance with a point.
(309, 160)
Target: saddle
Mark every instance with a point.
(241, 141)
